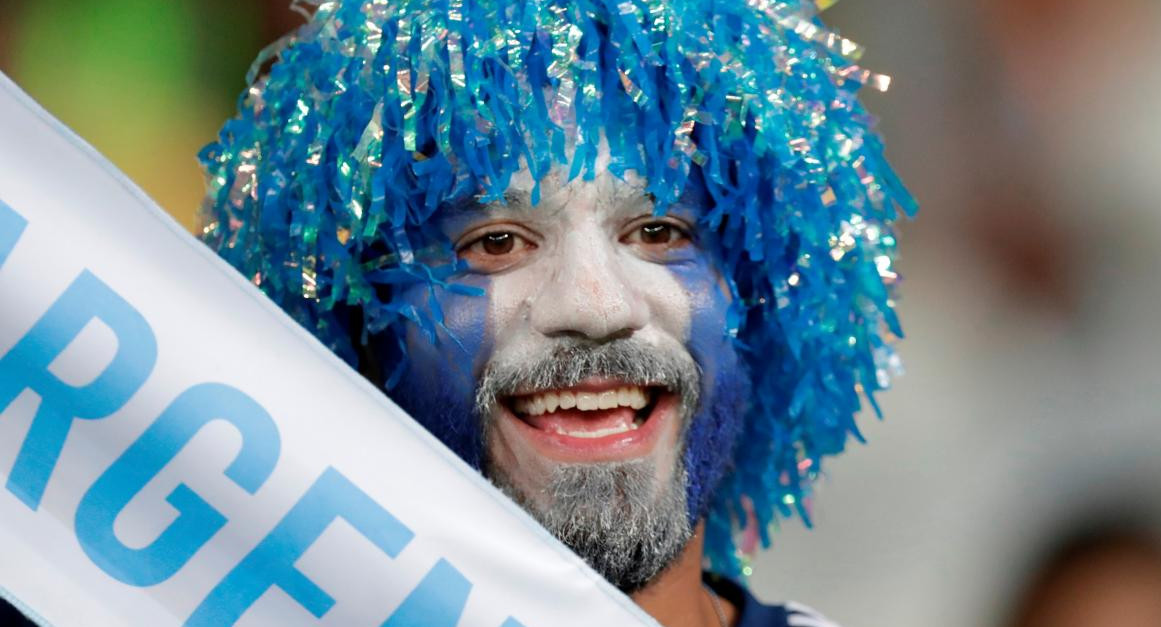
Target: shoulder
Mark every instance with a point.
(754, 613)
(799, 615)
(790, 614)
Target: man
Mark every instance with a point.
(629, 260)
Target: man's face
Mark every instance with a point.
(593, 383)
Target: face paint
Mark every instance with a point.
(583, 272)
(714, 428)
(438, 384)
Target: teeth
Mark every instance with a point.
(638, 400)
(633, 397)
(599, 433)
(586, 401)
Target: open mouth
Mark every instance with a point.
(596, 420)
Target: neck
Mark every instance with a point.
(677, 598)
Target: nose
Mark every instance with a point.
(589, 293)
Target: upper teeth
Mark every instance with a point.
(548, 402)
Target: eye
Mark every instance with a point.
(657, 236)
(658, 233)
(495, 250)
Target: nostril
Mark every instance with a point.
(617, 334)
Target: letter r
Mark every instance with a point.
(26, 366)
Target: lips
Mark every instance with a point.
(595, 421)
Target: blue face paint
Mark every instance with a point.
(438, 385)
(725, 383)
(713, 430)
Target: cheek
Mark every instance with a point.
(714, 429)
(708, 309)
(438, 386)
(674, 300)
(507, 316)
(462, 343)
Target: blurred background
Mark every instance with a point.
(1016, 478)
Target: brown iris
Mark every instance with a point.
(498, 243)
(657, 233)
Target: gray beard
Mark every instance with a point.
(612, 515)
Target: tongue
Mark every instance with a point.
(573, 420)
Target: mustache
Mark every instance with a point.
(568, 361)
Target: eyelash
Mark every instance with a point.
(495, 230)
(513, 241)
(638, 227)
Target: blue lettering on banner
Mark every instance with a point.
(437, 601)
(271, 563)
(138, 465)
(26, 366)
(11, 227)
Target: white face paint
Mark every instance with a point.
(582, 278)
(581, 269)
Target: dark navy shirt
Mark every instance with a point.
(753, 613)
(11, 617)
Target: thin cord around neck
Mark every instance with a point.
(713, 597)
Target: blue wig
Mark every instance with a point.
(378, 112)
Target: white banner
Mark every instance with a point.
(175, 450)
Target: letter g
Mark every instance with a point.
(145, 458)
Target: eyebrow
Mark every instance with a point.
(517, 200)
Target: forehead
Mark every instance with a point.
(604, 194)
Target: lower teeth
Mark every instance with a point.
(599, 433)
